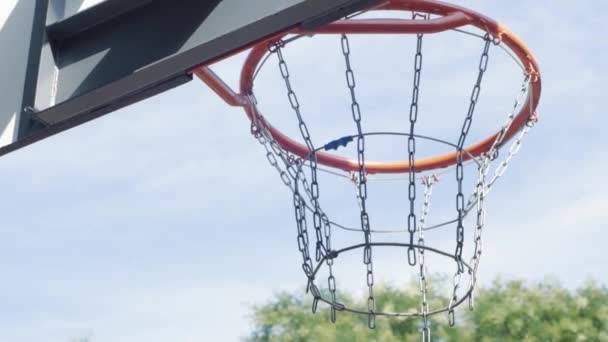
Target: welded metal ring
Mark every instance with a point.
(347, 228)
(340, 307)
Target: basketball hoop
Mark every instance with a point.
(298, 163)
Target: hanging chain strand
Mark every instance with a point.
(291, 174)
(411, 219)
(460, 205)
(514, 147)
(289, 178)
(321, 251)
(492, 153)
(362, 193)
(411, 144)
(331, 280)
(288, 171)
(481, 179)
(291, 170)
(482, 187)
(425, 332)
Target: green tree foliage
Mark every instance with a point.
(504, 311)
(512, 311)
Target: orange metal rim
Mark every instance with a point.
(451, 16)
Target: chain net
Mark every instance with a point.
(315, 242)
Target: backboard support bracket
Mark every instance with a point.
(119, 52)
(355, 6)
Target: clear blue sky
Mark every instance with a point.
(163, 221)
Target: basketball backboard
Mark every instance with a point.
(66, 62)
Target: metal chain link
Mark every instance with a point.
(428, 183)
(299, 203)
(482, 188)
(331, 280)
(300, 213)
(291, 170)
(514, 147)
(411, 145)
(425, 332)
(513, 150)
(288, 176)
(460, 205)
(492, 154)
(480, 222)
(314, 185)
(362, 193)
(287, 172)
